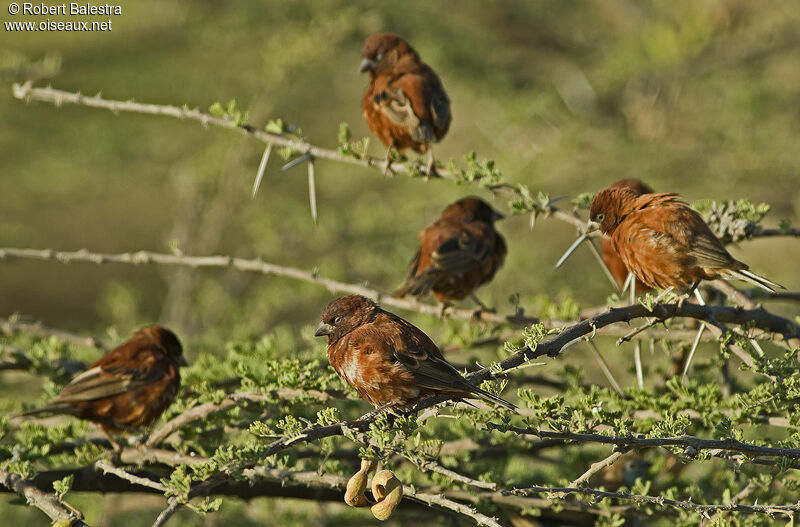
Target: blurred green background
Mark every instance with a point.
(697, 97)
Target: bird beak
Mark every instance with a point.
(496, 215)
(323, 329)
(366, 64)
(576, 243)
(182, 361)
(592, 226)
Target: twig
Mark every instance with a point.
(204, 410)
(255, 266)
(638, 442)
(659, 500)
(108, 468)
(47, 503)
(13, 325)
(596, 467)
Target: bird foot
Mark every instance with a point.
(388, 171)
(430, 169)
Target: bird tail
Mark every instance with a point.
(483, 394)
(52, 409)
(760, 281)
(416, 286)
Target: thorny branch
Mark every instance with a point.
(27, 92)
(688, 505)
(761, 318)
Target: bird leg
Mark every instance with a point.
(443, 309)
(483, 307)
(430, 168)
(387, 163)
(116, 448)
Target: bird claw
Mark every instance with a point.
(430, 169)
(388, 171)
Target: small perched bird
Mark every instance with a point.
(390, 363)
(611, 257)
(129, 387)
(664, 242)
(458, 252)
(405, 104)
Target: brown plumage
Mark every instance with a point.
(129, 387)
(610, 255)
(664, 242)
(390, 362)
(405, 104)
(458, 252)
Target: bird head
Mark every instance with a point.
(472, 209)
(345, 314)
(609, 208)
(166, 340)
(636, 185)
(381, 52)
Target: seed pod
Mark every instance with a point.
(354, 495)
(388, 491)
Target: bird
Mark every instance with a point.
(128, 388)
(610, 255)
(665, 242)
(391, 363)
(458, 252)
(405, 104)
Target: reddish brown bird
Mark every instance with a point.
(129, 387)
(390, 362)
(611, 257)
(458, 252)
(664, 242)
(405, 104)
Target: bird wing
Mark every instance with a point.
(428, 370)
(703, 247)
(708, 252)
(423, 359)
(446, 250)
(417, 101)
(397, 106)
(110, 378)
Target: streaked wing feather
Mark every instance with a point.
(708, 252)
(99, 382)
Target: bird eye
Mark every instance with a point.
(337, 319)
(379, 56)
(601, 217)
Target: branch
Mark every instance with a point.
(597, 467)
(27, 93)
(47, 503)
(204, 410)
(713, 314)
(255, 266)
(639, 442)
(688, 505)
(13, 325)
